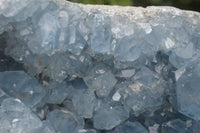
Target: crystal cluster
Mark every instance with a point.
(73, 68)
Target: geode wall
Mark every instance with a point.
(73, 68)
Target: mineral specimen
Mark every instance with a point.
(73, 68)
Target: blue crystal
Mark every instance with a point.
(21, 85)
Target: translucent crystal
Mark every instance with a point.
(57, 69)
(144, 93)
(84, 102)
(3, 96)
(16, 117)
(21, 85)
(128, 73)
(63, 121)
(49, 27)
(108, 117)
(116, 96)
(56, 92)
(195, 126)
(182, 55)
(87, 131)
(100, 32)
(11, 8)
(187, 89)
(130, 127)
(174, 126)
(100, 79)
(130, 50)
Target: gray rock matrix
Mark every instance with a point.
(73, 68)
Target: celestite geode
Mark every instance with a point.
(73, 68)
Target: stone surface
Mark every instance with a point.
(67, 67)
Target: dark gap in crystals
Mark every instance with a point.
(78, 83)
(7, 63)
(3, 42)
(88, 123)
(162, 57)
(43, 79)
